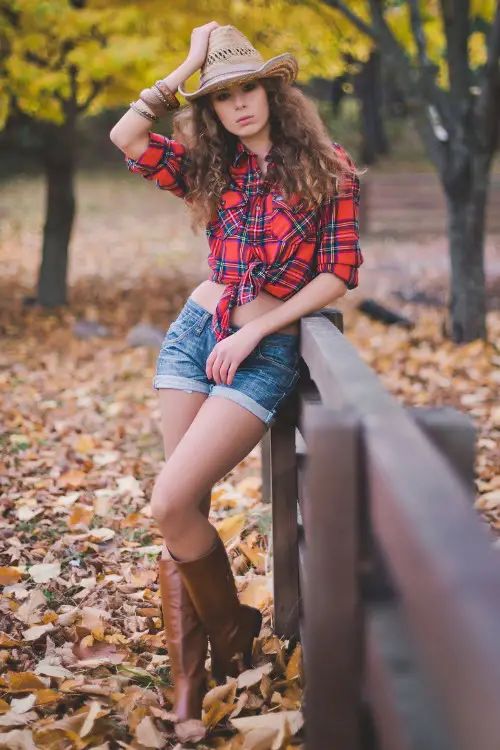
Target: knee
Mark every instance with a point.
(168, 506)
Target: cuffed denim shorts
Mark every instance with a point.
(262, 381)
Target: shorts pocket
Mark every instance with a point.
(181, 327)
(279, 353)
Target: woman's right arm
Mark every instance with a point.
(130, 133)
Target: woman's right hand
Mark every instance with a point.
(199, 43)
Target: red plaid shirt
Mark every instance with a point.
(259, 240)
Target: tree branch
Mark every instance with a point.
(487, 103)
(418, 34)
(353, 18)
(95, 88)
(455, 15)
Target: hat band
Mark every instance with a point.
(234, 68)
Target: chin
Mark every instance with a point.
(251, 129)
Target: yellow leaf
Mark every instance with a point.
(9, 575)
(231, 527)
(294, 663)
(256, 593)
(84, 444)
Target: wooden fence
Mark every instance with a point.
(382, 567)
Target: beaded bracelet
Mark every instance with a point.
(159, 98)
(143, 112)
(169, 95)
(152, 99)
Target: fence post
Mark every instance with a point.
(332, 628)
(282, 460)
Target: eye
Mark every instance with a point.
(221, 96)
(250, 85)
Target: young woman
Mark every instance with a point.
(279, 202)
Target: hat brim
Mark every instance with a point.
(284, 66)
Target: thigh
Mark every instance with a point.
(177, 410)
(220, 436)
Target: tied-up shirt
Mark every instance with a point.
(260, 240)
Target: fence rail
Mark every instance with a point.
(382, 566)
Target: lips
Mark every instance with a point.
(244, 119)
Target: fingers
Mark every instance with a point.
(219, 369)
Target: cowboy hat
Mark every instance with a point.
(232, 59)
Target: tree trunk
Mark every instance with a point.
(466, 225)
(59, 158)
(367, 85)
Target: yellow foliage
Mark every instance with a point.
(101, 55)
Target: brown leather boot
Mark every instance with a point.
(231, 626)
(187, 642)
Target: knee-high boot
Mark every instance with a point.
(187, 642)
(231, 626)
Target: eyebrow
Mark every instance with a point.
(228, 88)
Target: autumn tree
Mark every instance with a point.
(445, 55)
(65, 59)
(61, 60)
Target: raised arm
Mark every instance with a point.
(157, 157)
(130, 134)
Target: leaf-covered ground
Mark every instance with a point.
(83, 656)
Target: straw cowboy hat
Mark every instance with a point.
(232, 59)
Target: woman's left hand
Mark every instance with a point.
(226, 356)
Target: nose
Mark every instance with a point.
(238, 98)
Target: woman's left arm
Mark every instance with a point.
(337, 257)
(227, 354)
(319, 292)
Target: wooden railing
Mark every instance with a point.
(382, 567)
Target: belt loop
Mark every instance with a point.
(203, 321)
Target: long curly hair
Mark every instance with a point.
(306, 165)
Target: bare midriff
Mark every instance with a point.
(208, 293)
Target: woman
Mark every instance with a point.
(255, 165)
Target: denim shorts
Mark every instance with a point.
(262, 381)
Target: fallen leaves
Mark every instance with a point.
(83, 644)
(270, 730)
(82, 647)
(43, 572)
(422, 368)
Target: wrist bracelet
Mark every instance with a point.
(159, 92)
(143, 112)
(151, 97)
(159, 98)
(169, 95)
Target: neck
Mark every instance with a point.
(260, 143)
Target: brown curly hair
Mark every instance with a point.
(306, 165)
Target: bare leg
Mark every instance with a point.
(219, 437)
(178, 409)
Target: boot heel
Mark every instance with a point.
(258, 624)
(247, 654)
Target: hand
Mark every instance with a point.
(199, 43)
(226, 356)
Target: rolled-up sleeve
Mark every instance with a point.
(338, 249)
(164, 162)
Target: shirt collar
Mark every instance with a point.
(242, 149)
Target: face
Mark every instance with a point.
(232, 103)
